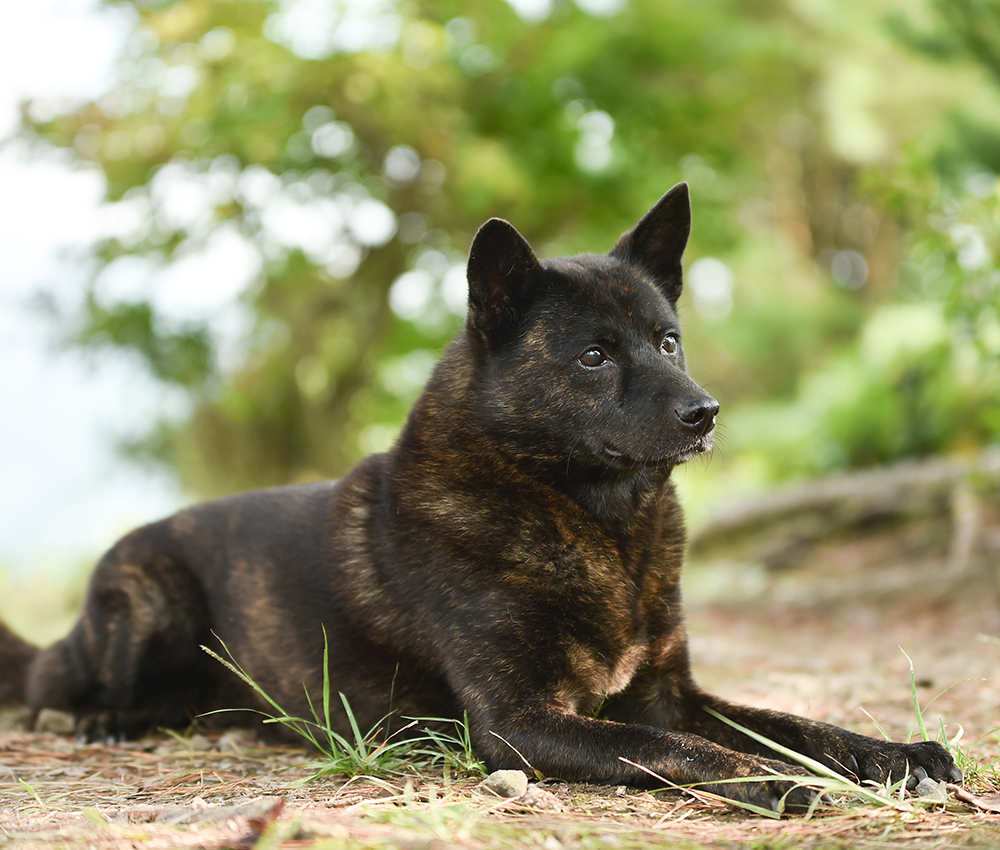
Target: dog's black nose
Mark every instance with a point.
(698, 414)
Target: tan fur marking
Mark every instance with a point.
(602, 677)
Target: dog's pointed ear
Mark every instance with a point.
(657, 242)
(502, 270)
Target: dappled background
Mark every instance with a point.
(291, 188)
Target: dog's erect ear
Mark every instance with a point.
(502, 270)
(657, 242)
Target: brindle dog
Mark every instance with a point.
(515, 555)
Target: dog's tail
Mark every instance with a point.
(16, 656)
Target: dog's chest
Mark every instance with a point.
(605, 676)
(619, 605)
(594, 676)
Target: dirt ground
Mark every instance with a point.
(827, 642)
(827, 661)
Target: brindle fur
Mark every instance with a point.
(516, 555)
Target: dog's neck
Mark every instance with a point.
(619, 500)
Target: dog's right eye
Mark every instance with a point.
(592, 358)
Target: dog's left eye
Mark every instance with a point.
(592, 358)
(670, 345)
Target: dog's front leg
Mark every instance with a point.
(568, 746)
(666, 696)
(858, 756)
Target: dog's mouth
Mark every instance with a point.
(701, 445)
(619, 458)
(611, 453)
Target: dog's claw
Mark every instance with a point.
(916, 775)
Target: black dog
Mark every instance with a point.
(516, 555)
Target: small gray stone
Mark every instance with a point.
(932, 791)
(198, 743)
(15, 718)
(236, 741)
(537, 797)
(55, 722)
(506, 783)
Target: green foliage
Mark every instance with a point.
(830, 168)
(909, 388)
(174, 356)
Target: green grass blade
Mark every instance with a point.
(924, 735)
(316, 720)
(234, 667)
(697, 791)
(326, 681)
(359, 740)
(878, 725)
(32, 792)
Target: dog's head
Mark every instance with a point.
(578, 360)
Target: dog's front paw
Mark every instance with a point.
(888, 762)
(110, 727)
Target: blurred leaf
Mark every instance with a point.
(183, 356)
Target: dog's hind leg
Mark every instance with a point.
(16, 656)
(133, 660)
